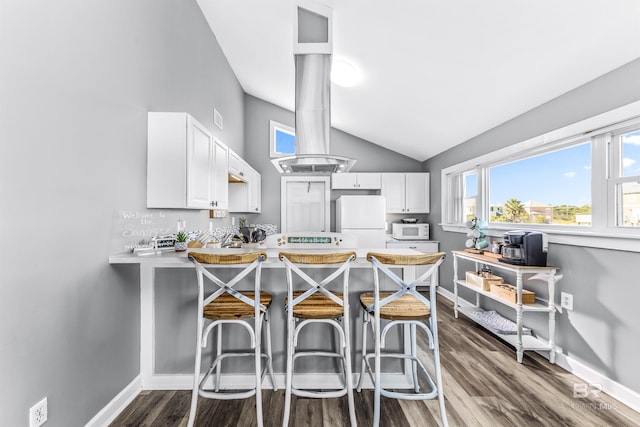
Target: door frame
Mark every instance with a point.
(284, 180)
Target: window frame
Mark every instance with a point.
(273, 128)
(599, 130)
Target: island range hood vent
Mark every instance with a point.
(312, 51)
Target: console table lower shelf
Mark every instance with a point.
(529, 342)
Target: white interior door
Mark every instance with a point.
(305, 203)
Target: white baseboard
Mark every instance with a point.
(614, 389)
(597, 379)
(117, 404)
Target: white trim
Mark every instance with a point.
(117, 404)
(614, 389)
(273, 127)
(284, 180)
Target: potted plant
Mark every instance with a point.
(181, 242)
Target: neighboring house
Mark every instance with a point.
(536, 209)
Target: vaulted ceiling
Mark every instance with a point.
(435, 73)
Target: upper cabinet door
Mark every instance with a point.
(417, 193)
(369, 181)
(393, 190)
(199, 165)
(355, 181)
(343, 181)
(219, 180)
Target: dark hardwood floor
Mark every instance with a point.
(483, 386)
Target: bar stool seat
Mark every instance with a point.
(406, 307)
(228, 307)
(316, 306)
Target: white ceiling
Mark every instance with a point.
(435, 72)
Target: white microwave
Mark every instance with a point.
(410, 231)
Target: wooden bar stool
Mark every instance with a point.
(227, 305)
(318, 305)
(405, 307)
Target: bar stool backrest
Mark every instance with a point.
(253, 261)
(340, 261)
(382, 261)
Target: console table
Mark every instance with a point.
(521, 342)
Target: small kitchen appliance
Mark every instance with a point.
(401, 231)
(525, 248)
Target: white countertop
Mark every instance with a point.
(170, 258)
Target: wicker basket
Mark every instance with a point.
(484, 280)
(510, 293)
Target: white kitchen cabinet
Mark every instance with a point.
(246, 196)
(238, 168)
(406, 192)
(183, 169)
(426, 246)
(356, 181)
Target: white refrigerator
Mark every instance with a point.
(364, 217)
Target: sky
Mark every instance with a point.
(559, 178)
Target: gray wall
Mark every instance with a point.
(602, 331)
(369, 157)
(76, 81)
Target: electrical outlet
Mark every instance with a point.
(38, 413)
(566, 301)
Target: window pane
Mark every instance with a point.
(470, 195)
(285, 142)
(631, 204)
(631, 154)
(552, 188)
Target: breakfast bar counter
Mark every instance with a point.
(168, 294)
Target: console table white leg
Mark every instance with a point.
(519, 346)
(455, 286)
(552, 316)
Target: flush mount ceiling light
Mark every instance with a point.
(343, 73)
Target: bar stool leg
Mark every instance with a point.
(414, 355)
(347, 363)
(258, 360)
(218, 353)
(269, 353)
(196, 376)
(365, 322)
(378, 387)
(289, 372)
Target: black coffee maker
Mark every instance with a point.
(525, 248)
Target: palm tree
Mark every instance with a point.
(513, 208)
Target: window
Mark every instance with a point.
(582, 180)
(625, 176)
(550, 188)
(282, 139)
